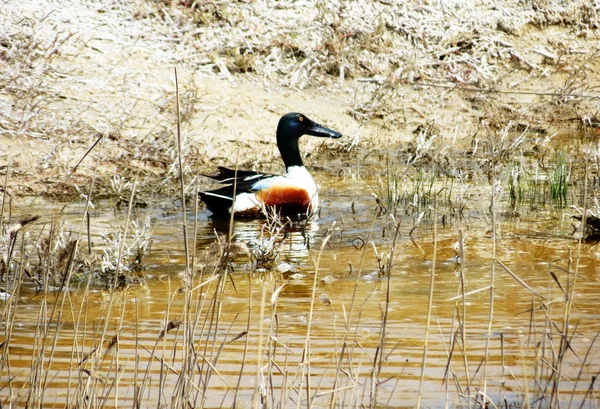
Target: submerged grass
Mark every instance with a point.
(559, 180)
(404, 190)
(541, 186)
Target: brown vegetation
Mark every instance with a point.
(438, 99)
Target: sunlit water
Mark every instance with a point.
(348, 310)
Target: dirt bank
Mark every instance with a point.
(377, 71)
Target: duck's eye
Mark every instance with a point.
(300, 118)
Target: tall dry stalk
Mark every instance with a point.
(429, 306)
(305, 360)
(494, 183)
(259, 398)
(565, 330)
(246, 343)
(187, 371)
(380, 350)
(463, 324)
(4, 194)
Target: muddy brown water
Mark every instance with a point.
(530, 245)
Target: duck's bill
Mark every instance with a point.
(319, 130)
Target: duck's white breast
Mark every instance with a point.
(297, 177)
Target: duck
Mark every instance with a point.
(294, 193)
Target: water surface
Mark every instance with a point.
(347, 322)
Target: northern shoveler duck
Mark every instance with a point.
(294, 193)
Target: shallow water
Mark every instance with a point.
(531, 245)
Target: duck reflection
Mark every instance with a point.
(269, 242)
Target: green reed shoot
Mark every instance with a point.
(410, 190)
(559, 180)
(539, 189)
(423, 192)
(516, 185)
(387, 191)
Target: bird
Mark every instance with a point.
(291, 194)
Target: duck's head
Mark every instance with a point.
(291, 127)
(294, 125)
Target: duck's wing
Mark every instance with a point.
(243, 179)
(227, 175)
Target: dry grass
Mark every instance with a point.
(96, 351)
(411, 66)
